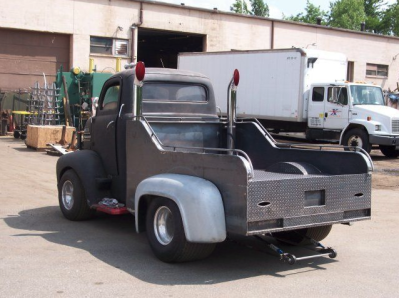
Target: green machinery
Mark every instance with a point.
(81, 88)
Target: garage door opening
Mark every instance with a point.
(160, 48)
(26, 55)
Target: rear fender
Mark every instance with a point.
(199, 201)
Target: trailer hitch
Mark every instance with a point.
(291, 259)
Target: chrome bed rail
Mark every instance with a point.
(309, 146)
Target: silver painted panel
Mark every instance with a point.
(199, 202)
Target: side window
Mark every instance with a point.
(338, 95)
(110, 101)
(318, 94)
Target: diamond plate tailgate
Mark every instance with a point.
(278, 202)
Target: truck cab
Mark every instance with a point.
(354, 113)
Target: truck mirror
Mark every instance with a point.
(94, 106)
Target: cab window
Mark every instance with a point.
(338, 95)
(110, 101)
(318, 94)
(174, 92)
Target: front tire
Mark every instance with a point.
(389, 151)
(166, 236)
(72, 197)
(357, 137)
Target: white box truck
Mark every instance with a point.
(301, 90)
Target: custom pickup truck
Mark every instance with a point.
(157, 148)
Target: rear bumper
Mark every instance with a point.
(346, 198)
(384, 140)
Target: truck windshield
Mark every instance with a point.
(173, 92)
(367, 95)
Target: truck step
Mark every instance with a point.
(111, 210)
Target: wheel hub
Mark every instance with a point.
(67, 195)
(355, 141)
(164, 227)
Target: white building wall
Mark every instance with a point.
(224, 31)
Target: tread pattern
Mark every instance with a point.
(179, 250)
(81, 210)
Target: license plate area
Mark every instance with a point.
(315, 198)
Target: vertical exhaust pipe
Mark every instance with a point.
(231, 109)
(138, 86)
(363, 26)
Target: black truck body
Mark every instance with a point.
(162, 140)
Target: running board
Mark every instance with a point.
(291, 259)
(111, 210)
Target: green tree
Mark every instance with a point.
(390, 19)
(374, 16)
(240, 6)
(348, 14)
(312, 12)
(259, 8)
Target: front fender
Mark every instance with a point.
(199, 201)
(369, 126)
(88, 166)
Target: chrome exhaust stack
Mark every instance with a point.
(231, 110)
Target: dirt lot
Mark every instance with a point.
(45, 255)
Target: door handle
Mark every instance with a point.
(120, 110)
(325, 115)
(110, 123)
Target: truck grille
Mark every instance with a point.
(395, 126)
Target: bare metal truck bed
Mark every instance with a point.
(192, 179)
(289, 188)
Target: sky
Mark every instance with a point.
(277, 7)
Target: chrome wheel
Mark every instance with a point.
(355, 141)
(164, 228)
(67, 195)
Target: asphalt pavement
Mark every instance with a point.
(45, 255)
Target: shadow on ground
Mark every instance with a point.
(114, 241)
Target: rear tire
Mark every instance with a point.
(389, 151)
(166, 236)
(357, 137)
(72, 198)
(299, 237)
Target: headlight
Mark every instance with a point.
(378, 127)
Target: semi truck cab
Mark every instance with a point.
(354, 113)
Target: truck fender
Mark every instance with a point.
(359, 123)
(88, 166)
(199, 201)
